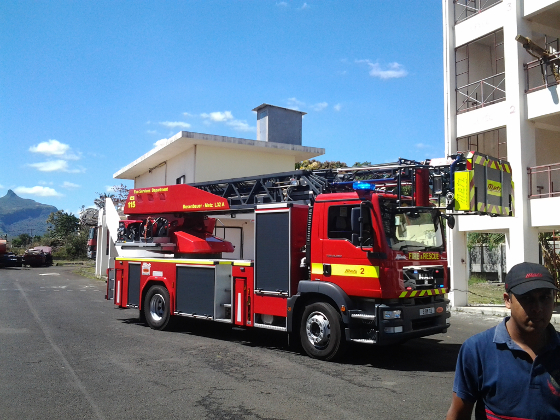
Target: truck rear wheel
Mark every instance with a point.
(156, 307)
(321, 332)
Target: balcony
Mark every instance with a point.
(542, 180)
(465, 9)
(481, 93)
(544, 195)
(480, 77)
(540, 74)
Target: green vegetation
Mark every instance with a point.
(482, 292)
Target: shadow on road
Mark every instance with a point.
(421, 354)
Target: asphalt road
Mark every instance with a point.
(67, 353)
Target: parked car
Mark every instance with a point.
(38, 256)
(9, 259)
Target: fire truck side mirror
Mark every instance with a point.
(450, 221)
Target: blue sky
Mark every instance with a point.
(86, 87)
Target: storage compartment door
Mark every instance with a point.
(133, 292)
(272, 251)
(195, 290)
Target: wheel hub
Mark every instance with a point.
(318, 329)
(157, 307)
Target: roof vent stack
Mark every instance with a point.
(279, 125)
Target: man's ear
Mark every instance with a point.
(507, 300)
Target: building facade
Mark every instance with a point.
(502, 99)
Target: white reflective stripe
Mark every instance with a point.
(238, 319)
(118, 292)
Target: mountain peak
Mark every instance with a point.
(11, 194)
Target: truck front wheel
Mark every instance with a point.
(321, 332)
(156, 307)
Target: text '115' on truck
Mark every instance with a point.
(349, 255)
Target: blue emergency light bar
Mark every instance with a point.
(361, 185)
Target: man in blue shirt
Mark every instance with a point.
(512, 371)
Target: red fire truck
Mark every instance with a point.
(354, 255)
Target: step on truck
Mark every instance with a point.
(339, 256)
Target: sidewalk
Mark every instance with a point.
(499, 311)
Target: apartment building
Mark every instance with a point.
(502, 99)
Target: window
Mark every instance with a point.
(180, 180)
(340, 224)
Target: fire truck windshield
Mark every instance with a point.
(414, 230)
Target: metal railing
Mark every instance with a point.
(541, 180)
(481, 93)
(465, 9)
(541, 75)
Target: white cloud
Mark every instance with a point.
(70, 185)
(1, 186)
(188, 114)
(50, 148)
(151, 131)
(160, 142)
(391, 71)
(55, 166)
(293, 103)
(51, 166)
(296, 104)
(239, 125)
(282, 4)
(55, 148)
(337, 107)
(228, 119)
(218, 116)
(320, 106)
(175, 124)
(37, 191)
(304, 6)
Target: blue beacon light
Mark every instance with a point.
(361, 185)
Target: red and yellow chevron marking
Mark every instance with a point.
(480, 160)
(419, 293)
(507, 168)
(481, 207)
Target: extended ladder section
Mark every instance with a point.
(483, 181)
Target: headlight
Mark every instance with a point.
(392, 314)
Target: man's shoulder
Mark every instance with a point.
(483, 338)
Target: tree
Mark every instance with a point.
(312, 164)
(62, 224)
(492, 240)
(119, 197)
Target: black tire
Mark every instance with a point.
(321, 332)
(156, 308)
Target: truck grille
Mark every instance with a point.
(423, 277)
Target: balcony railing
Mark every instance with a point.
(542, 179)
(481, 93)
(465, 9)
(540, 75)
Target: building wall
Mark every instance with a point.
(213, 163)
(531, 122)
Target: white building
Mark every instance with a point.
(504, 102)
(188, 158)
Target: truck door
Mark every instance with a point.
(354, 268)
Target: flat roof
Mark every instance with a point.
(185, 140)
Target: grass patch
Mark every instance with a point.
(86, 270)
(484, 292)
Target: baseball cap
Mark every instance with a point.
(526, 276)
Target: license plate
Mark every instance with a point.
(427, 311)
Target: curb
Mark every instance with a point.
(497, 311)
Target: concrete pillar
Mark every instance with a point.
(522, 240)
(457, 259)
